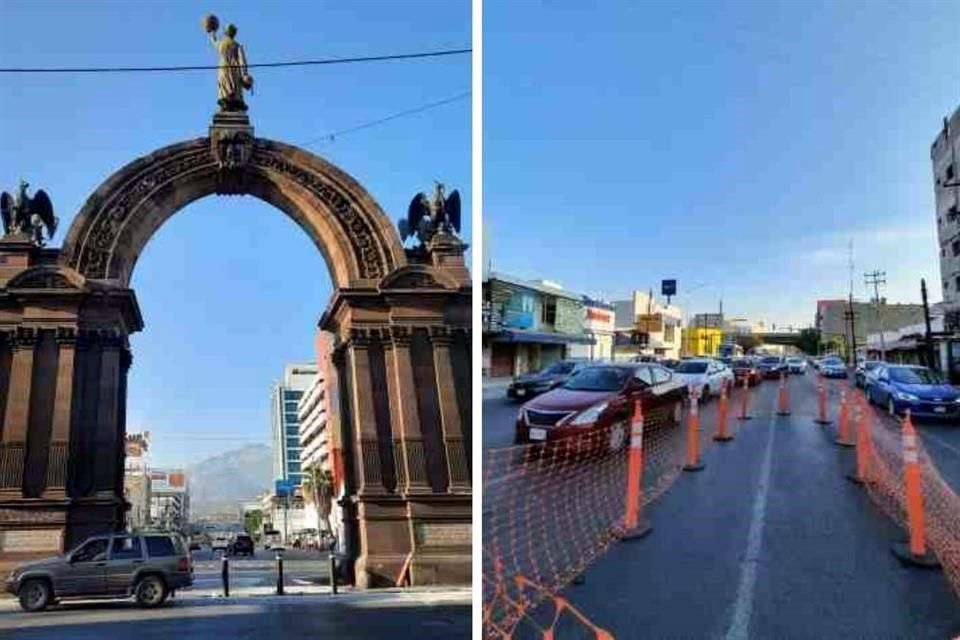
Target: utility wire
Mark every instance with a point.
(293, 63)
(331, 137)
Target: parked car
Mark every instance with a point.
(746, 369)
(796, 364)
(148, 567)
(600, 399)
(242, 545)
(531, 384)
(271, 539)
(833, 367)
(705, 375)
(771, 367)
(220, 542)
(922, 390)
(863, 370)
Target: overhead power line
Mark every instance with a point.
(260, 65)
(331, 137)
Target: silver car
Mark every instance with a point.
(148, 566)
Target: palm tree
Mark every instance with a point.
(318, 488)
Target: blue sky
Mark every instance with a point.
(736, 146)
(230, 288)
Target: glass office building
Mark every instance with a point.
(297, 378)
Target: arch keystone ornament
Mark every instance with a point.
(400, 320)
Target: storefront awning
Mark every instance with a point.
(519, 335)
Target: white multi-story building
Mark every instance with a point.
(169, 499)
(945, 156)
(658, 326)
(136, 480)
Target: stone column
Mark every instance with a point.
(13, 447)
(62, 406)
(457, 464)
(367, 454)
(106, 453)
(405, 419)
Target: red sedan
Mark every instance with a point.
(598, 401)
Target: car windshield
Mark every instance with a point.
(771, 360)
(691, 367)
(558, 368)
(598, 379)
(833, 362)
(870, 366)
(742, 364)
(794, 360)
(914, 375)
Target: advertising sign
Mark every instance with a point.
(650, 323)
(284, 488)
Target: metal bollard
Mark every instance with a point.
(333, 575)
(279, 573)
(225, 575)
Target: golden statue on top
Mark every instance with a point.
(232, 76)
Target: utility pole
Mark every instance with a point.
(876, 278)
(850, 315)
(928, 338)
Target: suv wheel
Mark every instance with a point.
(151, 591)
(891, 407)
(35, 595)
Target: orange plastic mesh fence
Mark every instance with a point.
(886, 488)
(551, 509)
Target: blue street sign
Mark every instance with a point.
(668, 288)
(283, 488)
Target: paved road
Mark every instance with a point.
(299, 567)
(418, 615)
(769, 541)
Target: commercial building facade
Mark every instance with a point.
(945, 160)
(169, 499)
(834, 326)
(599, 327)
(646, 327)
(528, 324)
(136, 481)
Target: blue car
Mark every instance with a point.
(922, 390)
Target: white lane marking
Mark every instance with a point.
(743, 607)
(926, 435)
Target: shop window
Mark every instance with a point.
(548, 313)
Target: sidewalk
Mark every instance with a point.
(495, 387)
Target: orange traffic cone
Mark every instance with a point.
(722, 435)
(782, 408)
(821, 403)
(634, 527)
(843, 429)
(744, 399)
(693, 433)
(915, 552)
(861, 474)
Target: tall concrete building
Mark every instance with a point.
(285, 422)
(945, 156)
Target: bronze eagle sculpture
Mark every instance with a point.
(427, 216)
(25, 215)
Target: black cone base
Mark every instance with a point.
(723, 438)
(783, 413)
(642, 530)
(905, 556)
(744, 417)
(694, 467)
(844, 443)
(819, 421)
(855, 479)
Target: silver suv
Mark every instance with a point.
(148, 566)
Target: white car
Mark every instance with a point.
(796, 364)
(705, 375)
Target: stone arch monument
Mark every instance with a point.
(401, 325)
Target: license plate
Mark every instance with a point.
(521, 393)
(538, 434)
(939, 409)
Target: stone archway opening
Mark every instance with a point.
(401, 325)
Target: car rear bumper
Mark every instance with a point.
(11, 586)
(179, 580)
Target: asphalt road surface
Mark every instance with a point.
(370, 615)
(768, 541)
(299, 568)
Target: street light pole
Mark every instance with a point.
(876, 278)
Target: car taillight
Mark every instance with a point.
(183, 565)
